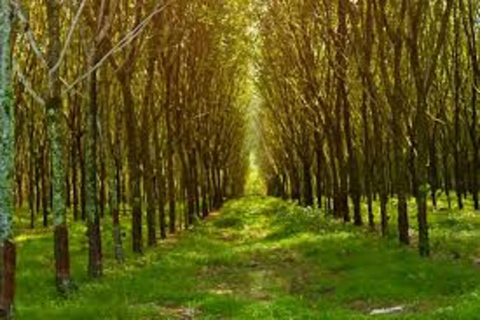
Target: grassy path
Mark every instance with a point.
(260, 259)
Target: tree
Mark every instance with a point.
(7, 246)
(56, 133)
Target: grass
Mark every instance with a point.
(262, 258)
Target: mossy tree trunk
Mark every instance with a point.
(55, 136)
(7, 246)
(95, 268)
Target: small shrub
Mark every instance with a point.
(229, 222)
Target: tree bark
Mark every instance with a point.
(95, 268)
(56, 132)
(7, 163)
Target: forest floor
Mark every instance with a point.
(263, 258)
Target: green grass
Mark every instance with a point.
(262, 258)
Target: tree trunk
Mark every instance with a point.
(320, 163)
(45, 186)
(307, 183)
(7, 278)
(117, 231)
(73, 165)
(401, 178)
(384, 213)
(422, 173)
(133, 165)
(95, 268)
(342, 112)
(56, 132)
(170, 172)
(7, 163)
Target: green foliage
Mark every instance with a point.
(255, 183)
(229, 222)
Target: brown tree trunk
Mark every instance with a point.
(401, 178)
(307, 184)
(342, 112)
(102, 191)
(95, 268)
(320, 162)
(422, 172)
(433, 168)
(83, 177)
(133, 159)
(384, 213)
(32, 183)
(45, 188)
(117, 232)
(73, 165)
(62, 259)
(7, 278)
(170, 172)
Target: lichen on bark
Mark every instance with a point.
(6, 124)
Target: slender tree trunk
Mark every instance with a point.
(7, 163)
(68, 185)
(45, 185)
(422, 173)
(307, 182)
(117, 232)
(446, 170)
(320, 162)
(295, 183)
(134, 170)
(147, 152)
(368, 100)
(161, 205)
(74, 161)
(342, 112)
(56, 132)
(196, 184)
(367, 161)
(401, 178)
(187, 186)
(170, 171)
(32, 183)
(160, 182)
(38, 202)
(433, 168)
(117, 192)
(82, 145)
(384, 213)
(102, 191)
(95, 268)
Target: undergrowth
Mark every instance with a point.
(262, 258)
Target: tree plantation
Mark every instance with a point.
(239, 159)
(370, 99)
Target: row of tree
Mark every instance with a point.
(371, 99)
(118, 106)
